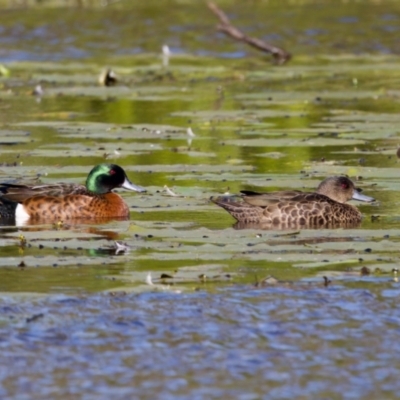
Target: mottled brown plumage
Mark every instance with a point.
(325, 207)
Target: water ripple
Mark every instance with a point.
(280, 341)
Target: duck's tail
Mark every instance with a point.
(7, 210)
(240, 210)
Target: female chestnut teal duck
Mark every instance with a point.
(326, 206)
(69, 201)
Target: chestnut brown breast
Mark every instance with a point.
(76, 206)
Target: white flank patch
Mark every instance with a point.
(149, 280)
(190, 132)
(21, 216)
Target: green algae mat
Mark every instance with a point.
(195, 134)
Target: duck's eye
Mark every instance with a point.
(344, 185)
(112, 172)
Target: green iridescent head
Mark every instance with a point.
(105, 177)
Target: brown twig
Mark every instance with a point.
(281, 56)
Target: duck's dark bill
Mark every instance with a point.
(130, 186)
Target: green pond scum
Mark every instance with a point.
(179, 301)
(253, 126)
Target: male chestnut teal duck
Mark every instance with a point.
(325, 207)
(63, 201)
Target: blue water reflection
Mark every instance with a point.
(305, 341)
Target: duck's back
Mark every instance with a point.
(20, 193)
